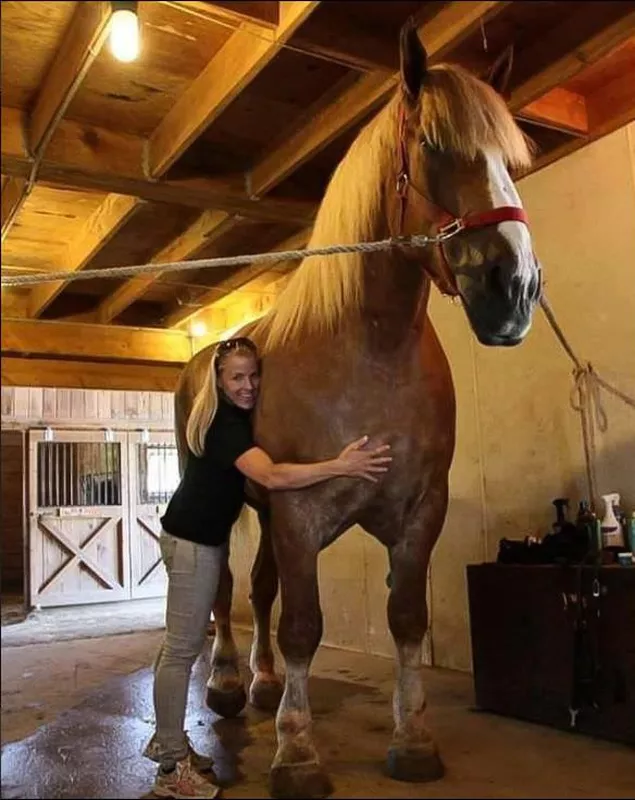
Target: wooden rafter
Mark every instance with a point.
(242, 57)
(566, 67)
(182, 316)
(87, 157)
(560, 109)
(76, 53)
(68, 374)
(209, 226)
(609, 107)
(80, 340)
(13, 192)
(446, 30)
(100, 227)
(265, 13)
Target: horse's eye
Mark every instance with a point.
(428, 146)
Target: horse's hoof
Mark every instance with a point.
(307, 780)
(226, 704)
(414, 765)
(265, 695)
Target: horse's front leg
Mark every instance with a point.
(296, 770)
(266, 687)
(225, 690)
(413, 754)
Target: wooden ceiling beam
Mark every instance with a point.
(453, 23)
(609, 108)
(264, 13)
(66, 374)
(183, 316)
(80, 340)
(245, 54)
(209, 226)
(75, 55)
(79, 48)
(15, 303)
(98, 229)
(86, 157)
(558, 109)
(565, 67)
(13, 192)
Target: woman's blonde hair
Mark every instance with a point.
(205, 403)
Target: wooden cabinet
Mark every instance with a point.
(548, 639)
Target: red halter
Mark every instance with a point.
(442, 220)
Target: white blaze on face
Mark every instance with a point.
(503, 193)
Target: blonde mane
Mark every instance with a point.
(458, 114)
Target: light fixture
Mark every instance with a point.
(124, 30)
(198, 329)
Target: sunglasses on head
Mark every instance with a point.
(232, 344)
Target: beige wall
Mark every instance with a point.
(519, 443)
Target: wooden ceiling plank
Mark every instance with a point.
(65, 374)
(559, 109)
(566, 67)
(77, 51)
(80, 45)
(246, 53)
(12, 198)
(100, 227)
(440, 34)
(85, 157)
(610, 107)
(266, 14)
(611, 103)
(208, 227)
(183, 316)
(81, 340)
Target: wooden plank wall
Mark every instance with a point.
(12, 513)
(32, 407)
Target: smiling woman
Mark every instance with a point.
(220, 454)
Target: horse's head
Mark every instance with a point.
(458, 141)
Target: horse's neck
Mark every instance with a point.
(395, 301)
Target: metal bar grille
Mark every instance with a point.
(158, 473)
(72, 474)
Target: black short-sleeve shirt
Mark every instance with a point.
(209, 498)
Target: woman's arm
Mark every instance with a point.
(353, 462)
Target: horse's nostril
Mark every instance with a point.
(495, 280)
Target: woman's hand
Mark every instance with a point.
(359, 463)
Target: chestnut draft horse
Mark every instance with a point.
(349, 350)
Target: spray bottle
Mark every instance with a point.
(612, 535)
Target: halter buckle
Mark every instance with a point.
(402, 184)
(450, 230)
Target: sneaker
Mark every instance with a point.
(183, 783)
(199, 762)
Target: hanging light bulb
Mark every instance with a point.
(124, 31)
(198, 329)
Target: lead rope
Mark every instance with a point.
(586, 400)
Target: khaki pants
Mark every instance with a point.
(193, 573)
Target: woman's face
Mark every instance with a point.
(239, 379)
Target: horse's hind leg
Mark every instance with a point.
(266, 688)
(413, 754)
(225, 690)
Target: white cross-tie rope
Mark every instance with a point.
(417, 240)
(586, 400)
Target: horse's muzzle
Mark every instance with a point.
(499, 303)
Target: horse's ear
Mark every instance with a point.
(500, 71)
(413, 59)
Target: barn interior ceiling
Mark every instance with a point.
(219, 139)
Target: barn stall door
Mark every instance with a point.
(154, 475)
(78, 518)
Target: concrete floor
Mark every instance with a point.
(76, 715)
